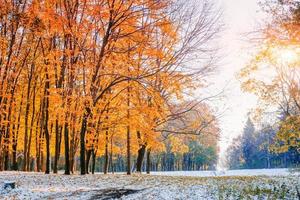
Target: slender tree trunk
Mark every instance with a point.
(128, 133)
(47, 135)
(105, 169)
(6, 157)
(47, 171)
(58, 133)
(73, 145)
(31, 129)
(82, 142)
(93, 161)
(140, 158)
(38, 149)
(72, 150)
(15, 138)
(28, 152)
(111, 155)
(148, 161)
(88, 157)
(38, 136)
(141, 152)
(26, 119)
(14, 147)
(42, 161)
(67, 158)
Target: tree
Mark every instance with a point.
(259, 151)
(100, 78)
(279, 56)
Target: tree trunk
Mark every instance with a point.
(58, 134)
(88, 157)
(93, 161)
(111, 155)
(148, 161)
(105, 169)
(15, 138)
(28, 151)
(47, 135)
(6, 159)
(47, 171)
(82, 142)
(128, 133)
(128, 152)
(67, 155)
(26, 119)
(140, 158)
(73, 145)
(38, 136)
(14, 157)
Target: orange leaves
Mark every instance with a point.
(93, 68)
(177, 145)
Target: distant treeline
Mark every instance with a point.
(254, 149)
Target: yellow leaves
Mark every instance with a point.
(90, 53)
(288, 135)
(177, 146)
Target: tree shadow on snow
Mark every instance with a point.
(113, 193)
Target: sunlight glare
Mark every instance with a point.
(288, 55)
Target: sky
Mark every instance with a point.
(239, 17)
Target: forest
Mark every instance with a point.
(255, 149)
(150, 99)
(103, 84)
(112, 85)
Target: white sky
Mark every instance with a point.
(240, 17)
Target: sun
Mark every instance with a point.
(286, 55)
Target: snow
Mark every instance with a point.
(248, 172)
(161, 185)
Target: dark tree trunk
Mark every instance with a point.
(73, 146)
(148, 161)
(128, 132)
(58, 134)
(42, 162)
(38, 159)
(15, 138)
(93, 161)
(82, 142)
(28, 151)
(47, 135)
(6, 159)
(105, 168)
(141, 153)
(140, 158)
(47, 171)
(111, 154)
(14, 156)
(67, 154)
(88, 157)
(26, 123)
(6, 162)
(128, 152)
(38, 136)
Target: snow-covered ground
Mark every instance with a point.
(248, 172)
(238, 184)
